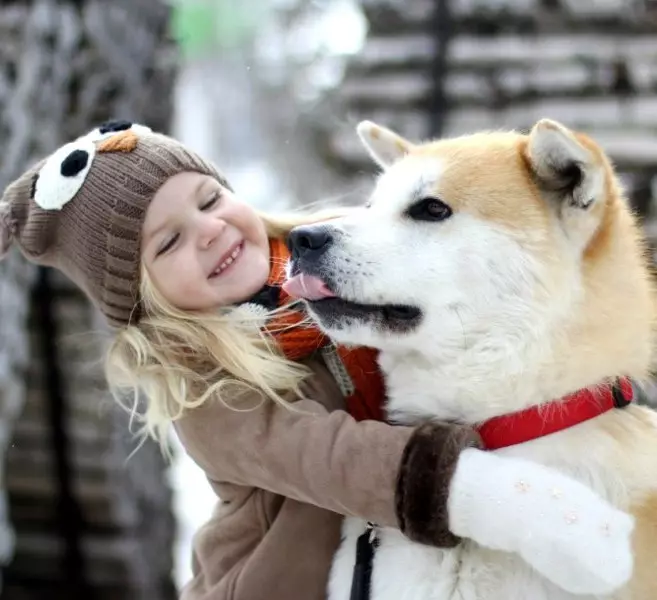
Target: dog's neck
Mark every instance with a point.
(542, 420)
(474, 386)
(485, 364)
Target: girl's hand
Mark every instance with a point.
(567, 532)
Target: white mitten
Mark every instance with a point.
(563, 529)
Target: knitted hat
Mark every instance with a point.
(81, 210)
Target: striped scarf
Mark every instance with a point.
(355, 369)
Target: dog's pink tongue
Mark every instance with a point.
(307, 287)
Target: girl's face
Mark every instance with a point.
(202, 247)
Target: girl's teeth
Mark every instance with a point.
(228, 261)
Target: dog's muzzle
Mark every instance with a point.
(309, 243)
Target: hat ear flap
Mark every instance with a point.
(6, 232)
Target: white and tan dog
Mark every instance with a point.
(496, 272)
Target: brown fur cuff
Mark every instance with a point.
(425, 475)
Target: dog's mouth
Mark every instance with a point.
(335, 312)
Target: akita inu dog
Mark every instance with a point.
(505, 281)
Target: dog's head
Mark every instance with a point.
(505, 246)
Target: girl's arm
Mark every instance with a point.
(418, 480)
(326, 459)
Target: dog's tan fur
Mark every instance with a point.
(589, 248)
(644, 581)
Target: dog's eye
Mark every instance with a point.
(429, 209)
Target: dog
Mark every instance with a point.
(498, 273)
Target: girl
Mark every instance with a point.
(283, 424)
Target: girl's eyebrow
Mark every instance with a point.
(199, 188)
(151, 234)
(195, 194)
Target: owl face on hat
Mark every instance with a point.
(62, 175)
(81, 210)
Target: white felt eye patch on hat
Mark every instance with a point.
(63, 174)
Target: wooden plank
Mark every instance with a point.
(31, 513)
(102, 498)
(391, 17)
(38, 461)
(585, 9)
(632, 117)
(530, 51)
(86, 436)
(109, 559)
(587, 114)
(412, 87)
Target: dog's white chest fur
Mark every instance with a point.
(404, 570)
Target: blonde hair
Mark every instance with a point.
(177, 360)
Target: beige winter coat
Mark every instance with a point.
(286, 477)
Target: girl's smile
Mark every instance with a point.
(201, 246)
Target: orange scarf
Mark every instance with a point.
(298, 341)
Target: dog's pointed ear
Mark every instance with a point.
(564, 165)
(570, 172)
(383, 145)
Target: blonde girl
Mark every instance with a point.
(287, 427)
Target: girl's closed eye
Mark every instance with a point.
(210, 202)
(168, 244)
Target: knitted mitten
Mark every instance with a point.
(562, 528)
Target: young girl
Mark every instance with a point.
(283, 424)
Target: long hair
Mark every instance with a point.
(177, 360)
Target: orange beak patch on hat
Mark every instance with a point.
(124, 141)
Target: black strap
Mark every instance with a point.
(362, 578)
(620, 401)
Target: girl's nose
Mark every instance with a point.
(210, 229)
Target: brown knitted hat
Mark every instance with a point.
(81, 210)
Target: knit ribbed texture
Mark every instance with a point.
(95, 239)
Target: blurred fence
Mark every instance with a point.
(77, 520)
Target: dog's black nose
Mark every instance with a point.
(303, 241)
